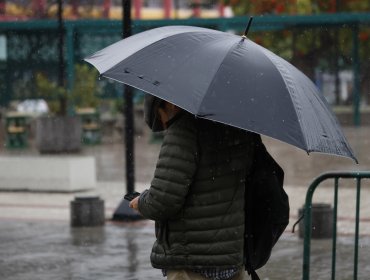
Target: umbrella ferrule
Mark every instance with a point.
(247, 28)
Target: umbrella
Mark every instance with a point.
(229, 79)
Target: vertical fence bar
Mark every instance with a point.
(307, 235)
(335, 215)
(355, 265)
(356, 76)
(308, 219)
(70, 65)
(308, 228)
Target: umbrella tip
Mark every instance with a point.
(247, 28)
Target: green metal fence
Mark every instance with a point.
(335, 176)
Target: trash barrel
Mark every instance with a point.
(87, 211)
(322, 221)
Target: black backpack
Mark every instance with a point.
(267, 209)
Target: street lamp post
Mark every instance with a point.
(128, 107)
(63, 102)
(60, 43)
(124, 212)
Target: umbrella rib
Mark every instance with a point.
(286, 77)
(290, 85)
(214, 79)
(215, 75)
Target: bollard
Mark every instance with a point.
(322, 221)
(87, 212)
(87, 236)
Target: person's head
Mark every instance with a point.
(158, 112)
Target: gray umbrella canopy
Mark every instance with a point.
(228, 79)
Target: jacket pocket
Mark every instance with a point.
(163, 235)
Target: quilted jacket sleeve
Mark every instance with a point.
(174, 172)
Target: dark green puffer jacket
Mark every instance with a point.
(197, 195)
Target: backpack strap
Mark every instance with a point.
(254, 275)
(249, 237)
(248, 198)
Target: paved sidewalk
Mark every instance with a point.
(38, 206)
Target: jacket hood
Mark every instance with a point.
(151, 104)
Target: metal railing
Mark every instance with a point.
(358, 176)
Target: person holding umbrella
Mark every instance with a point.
(230, 90)
(197, 194)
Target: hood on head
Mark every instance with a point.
(151, 104)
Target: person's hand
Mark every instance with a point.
(134, 204)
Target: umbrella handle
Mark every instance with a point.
(247, 28)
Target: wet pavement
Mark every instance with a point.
(36, 241)
(52, 250)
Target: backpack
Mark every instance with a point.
(267, 209)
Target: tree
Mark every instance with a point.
(260, 7)
(83, 94)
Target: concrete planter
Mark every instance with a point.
(47, 173)
(58, 134)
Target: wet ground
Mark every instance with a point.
(36, 241)
(52, 250)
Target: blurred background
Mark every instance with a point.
(42, 44)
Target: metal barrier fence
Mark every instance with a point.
(358, 176)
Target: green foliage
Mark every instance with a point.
(260, 7)
(304, 7)
(51, 92)
(83, 94)
(354, 6)
(279, 42)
